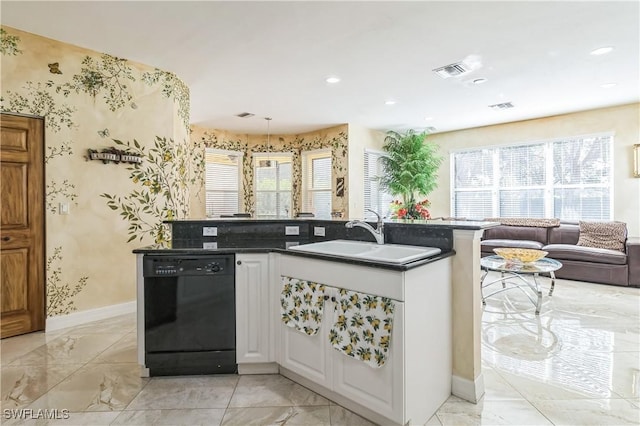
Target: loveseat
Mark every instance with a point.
(602, 264)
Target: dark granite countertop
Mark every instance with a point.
(435, 223)
(436, 233)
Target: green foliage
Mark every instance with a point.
(55, 189)
(172, 86)
(411, 167)
(38, 101)
(9, 43)
(164, 177)
(108, 75)
(60, 294)
(58, 151)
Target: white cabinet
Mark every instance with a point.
(253, 309)
(416, 378)
(314, 358)
(307, 356)
(380, 389)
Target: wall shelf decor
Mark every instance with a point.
(113, 155)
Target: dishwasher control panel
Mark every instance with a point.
(168, 266)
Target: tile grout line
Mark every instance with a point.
(226, 409)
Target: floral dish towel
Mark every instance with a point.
(302, 303)
(363, 327)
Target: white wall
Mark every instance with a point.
(623, 121)
(360, 138)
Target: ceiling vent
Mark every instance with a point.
(453, 70)
(505, 105)
(245, 115)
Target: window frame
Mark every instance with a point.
(238, 191)
(258, 156)
(549, 187)
(307, 158)
(382, 207)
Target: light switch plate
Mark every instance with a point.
(209, 231)
(210, 246)
(291, 230)
(63, 208)
(318, 231)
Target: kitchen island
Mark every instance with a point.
(260, 249)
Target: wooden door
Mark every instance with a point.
(22, 271)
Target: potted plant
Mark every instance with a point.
(410, 170)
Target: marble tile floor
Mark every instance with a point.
(577, 363)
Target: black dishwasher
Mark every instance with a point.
(189, 314)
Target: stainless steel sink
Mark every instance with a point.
(361, 250)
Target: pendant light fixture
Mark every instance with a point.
(268, 162)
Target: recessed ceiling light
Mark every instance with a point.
(608, 85)
(479, 80)
(390, 102)
(601, 50)
(332, 80)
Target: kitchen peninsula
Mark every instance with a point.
(428, 339)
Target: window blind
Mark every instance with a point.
(374, 197)
(317, 189)
(222, 182)
(568, 178)
(474, 182)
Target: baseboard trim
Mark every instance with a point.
(83, 317)
(466, 389)
(258, 368)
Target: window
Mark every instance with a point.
(374, 197)
(222, 181)
(316, 183)
(272, 177)
(569, 179)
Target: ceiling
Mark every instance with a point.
(272, 58)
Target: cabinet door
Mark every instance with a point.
(253, 313)
(309, 356)
(379, 389)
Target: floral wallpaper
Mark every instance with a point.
(335, 138)
(163, 180)
(95, 101)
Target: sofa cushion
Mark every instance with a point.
(585, 254)
(489, 245)
(605, 235)
(505, 232)
(566, 233)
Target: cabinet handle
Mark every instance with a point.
(326, 297)
(333, 299)
(239, 262)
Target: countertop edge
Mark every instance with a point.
(372, 264)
